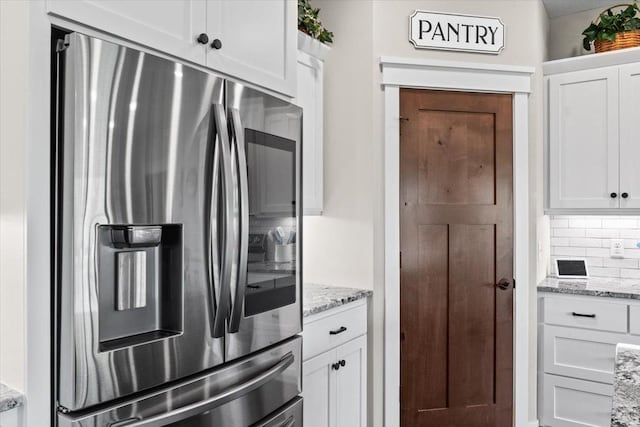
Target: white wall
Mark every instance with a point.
(13, 134)
(565, 34)
(346, 245)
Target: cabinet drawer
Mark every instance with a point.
(568, 402)
(579, 313)
(346, 324)
(634, 319)
(580, 353)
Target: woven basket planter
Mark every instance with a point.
(623, 40)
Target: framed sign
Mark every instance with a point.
(467, 33)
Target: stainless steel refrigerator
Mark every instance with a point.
(162, 173)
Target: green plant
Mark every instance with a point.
(309, 23)
(610, 24)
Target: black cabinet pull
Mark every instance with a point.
(343, 363)
(335, 366)
(216, 44)
(203, 38)
(625, 195)
(614, 195)
(338, 331)
(592, 316)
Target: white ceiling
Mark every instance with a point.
(557, 8)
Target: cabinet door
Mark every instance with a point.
(318, 390)
(567, 402)
(583, 139)
(309, 97)
(258, 40)
(630, 136)
(171, 26)
(351, 384)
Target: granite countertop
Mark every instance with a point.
(9, 398)
(626, 384)
(593, 286)
(319, 298)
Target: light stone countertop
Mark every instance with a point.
(626, 384)
(9, 398)
(593, 286)
(319, 298)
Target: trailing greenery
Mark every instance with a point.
(309, 23)
(611, 24)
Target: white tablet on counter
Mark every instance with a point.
(571, 268)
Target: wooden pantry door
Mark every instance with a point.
(456, 242)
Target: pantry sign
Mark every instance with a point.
(444, 31)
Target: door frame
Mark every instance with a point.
(468, 77)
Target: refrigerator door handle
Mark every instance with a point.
(217, 400)
(213, 249)
(241, 165)
(228, 236)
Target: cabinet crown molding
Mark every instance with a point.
(313, 47)
(587, 62)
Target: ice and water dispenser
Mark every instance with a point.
(140, 283)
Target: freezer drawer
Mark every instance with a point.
(240, 394)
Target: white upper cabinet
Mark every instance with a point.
(593, 134)
(583, 139)
(311, 56)
(171, 26)
(257, 41)
(630, 136)
(251, 40)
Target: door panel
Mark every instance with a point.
(583, 139)
(456, 213)
(471, 330)
(459, 148)
(423, 292)
(170, 26)
(629, 131)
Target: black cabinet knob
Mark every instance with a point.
(625, 195)
(216, 44)
(335, 366)
(343, 363)
(203, 38)
(614, 195)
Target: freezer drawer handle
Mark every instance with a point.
(219, 399)
(288, 422)
(338, 331)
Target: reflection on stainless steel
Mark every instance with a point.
(156, 307)
(119, 137)
(239, 394)
(270, 116)
(132, 280)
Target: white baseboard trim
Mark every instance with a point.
(534, 423)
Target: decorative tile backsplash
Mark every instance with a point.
(590, 237)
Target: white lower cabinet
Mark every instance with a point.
(571, 402)
(577, 346)
(334, 381)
